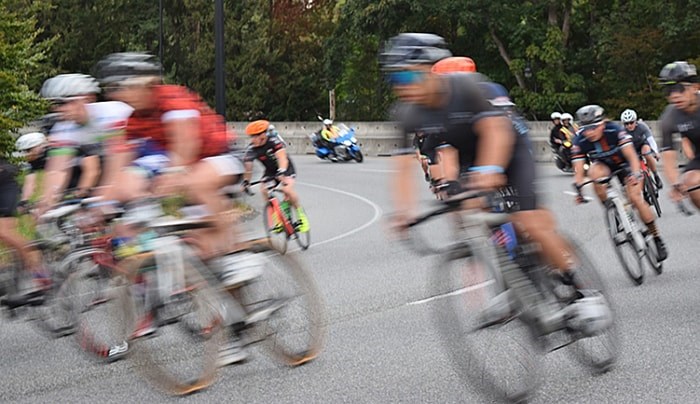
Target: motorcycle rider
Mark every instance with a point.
(568, 127)
(560, 141)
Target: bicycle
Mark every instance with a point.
(632, 245)
(192, 310)
(491, 290)
(281, 221)
(650, 188)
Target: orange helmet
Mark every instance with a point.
(257, 127)
(454, 64)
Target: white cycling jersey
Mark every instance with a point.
(104, 120)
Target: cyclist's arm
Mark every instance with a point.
(185, 141)
(687, 148)
(118, 156)
(29, 186)
(496, 140)
(282, 160)
(56, 176)
(578, 159)
(669, 156)
(631, 156)
(90, 166)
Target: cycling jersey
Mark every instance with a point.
(642, 135)
(687, 124)
(266, 155)
(9, 190)
(607, 149)
(453, 125)
(555, 134)
(173, 103)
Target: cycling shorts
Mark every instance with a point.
(9, 196)
(693, 164)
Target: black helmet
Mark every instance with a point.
(412, 49)
(117, 67)
(678, 72)
(589, 114)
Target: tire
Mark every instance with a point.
(302, 238)
(182, 357)
(651, 194)
(491, 349)
(599, 352)
(359, 157)
(276, 238)
(10, 271)
(294, 328)
(652, 254)
(624, 248)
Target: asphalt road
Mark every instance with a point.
(382, 346)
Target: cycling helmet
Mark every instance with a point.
(628, 115)
(30, 141)
(678, 72)
(65, 86)
(566, 116)
(590, 315)
(590, 114)
(257, 127)
(327, 122)
(454, 64)
(118, 67)
(412, 49)
(555, 115)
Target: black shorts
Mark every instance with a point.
(272, 174)
(9, 196)
(622, 174)
(693, 164)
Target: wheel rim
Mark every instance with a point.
(277, 239)
(625, 250)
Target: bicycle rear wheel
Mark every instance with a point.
(624, 247)
(478, 323)
(652, 255)
(303, 237)
(181, 357)
(10, 271)
(276, 234)
(600, 352)
(285, 309)
(651, 194)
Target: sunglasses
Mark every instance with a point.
(629, 123)
(405, 77)
(673, 88)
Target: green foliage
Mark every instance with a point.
(21, 58)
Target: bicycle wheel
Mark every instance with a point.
(276, 235)
(600, 352)
(10, 271)
(95, 294)
(652, 255)
(303, 237)
(624, 247)
(651, 194)
(476, 317)
(181, 357)
(285, 309)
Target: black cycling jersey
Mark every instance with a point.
(453, 124)
(674, 121)
(9, 190)
(640, 135)
(266, 155)
(607, 149)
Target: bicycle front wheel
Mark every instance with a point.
(181, 356)
(477, 320)
(274, 228)
(624, 247)
(285, 308)
(651, 194)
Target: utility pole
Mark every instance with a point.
(160, 35)
(219, 65)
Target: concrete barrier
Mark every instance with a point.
(381, 138)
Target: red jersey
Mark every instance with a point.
(148, 124)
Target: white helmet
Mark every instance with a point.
(591, 314)
(30, 141)
(566, 116)
(65, 86)
(327, 122)
(628, 115)
(555, 115)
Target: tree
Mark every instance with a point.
(21, 61)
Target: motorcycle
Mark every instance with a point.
(342, 148)
(562, 158)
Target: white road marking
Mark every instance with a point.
(377, 212)
(456, 292)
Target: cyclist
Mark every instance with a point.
(610, 148)
(643, 141)
(34, 147)
(75, 140)
(679, 81)
(452, 112)
(454, 64)
(171, 127)
(270, 151)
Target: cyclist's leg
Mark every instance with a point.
(634, 193)
(648, 155)
(691, 178)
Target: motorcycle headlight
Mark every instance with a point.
(347, 143)
(354, 140)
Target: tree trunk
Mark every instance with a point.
(566, 24)
(504, 54)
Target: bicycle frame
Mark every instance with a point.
(617, 195)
